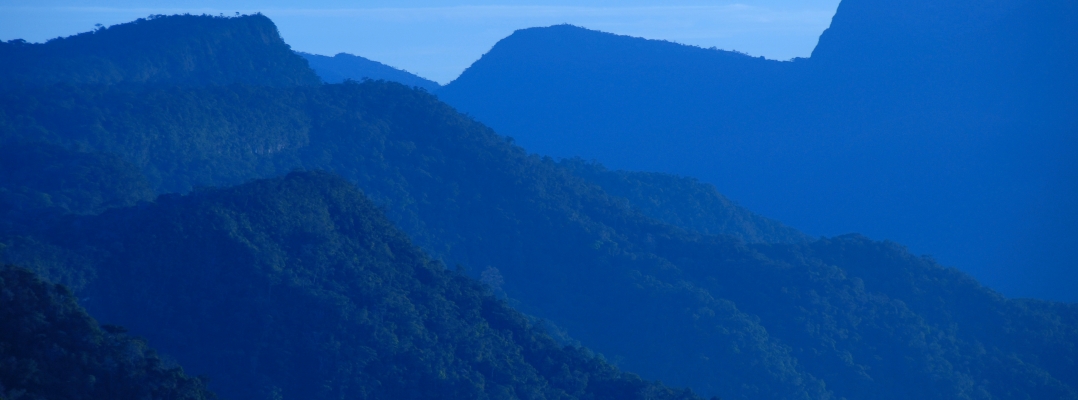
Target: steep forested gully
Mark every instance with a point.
(278, 237)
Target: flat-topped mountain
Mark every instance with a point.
(179, 49)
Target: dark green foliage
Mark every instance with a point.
(298, 287)
(39, 177)
(40, 184)
(50, 349)
(178, 136)
(951, 301)
(685, 202)
(179, 49)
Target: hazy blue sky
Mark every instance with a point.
(437, 40)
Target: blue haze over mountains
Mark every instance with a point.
(402, 266)
(951, 127)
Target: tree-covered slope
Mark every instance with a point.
(179, 49)
(178, 136)
(345, 66)
(298, 287)
(845, 317)
(51, 349)
(41, 184)
(42, 181)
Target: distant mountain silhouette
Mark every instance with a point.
(346, 66)
(179, 49)
(946, 126)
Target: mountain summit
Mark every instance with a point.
(179, 49)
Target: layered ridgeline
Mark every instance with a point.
(42, 180)
(51, 349)
(842, 317)
(42, 184)
(345, 66)
(945, 126)
(298, 287)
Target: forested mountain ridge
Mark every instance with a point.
(178, 136)
(842, 317)
(43, 183)
(941, 125)
(178, 49)
(300, 288)
(51, 349)
(344, 66)
(673, 305)
(51, 179)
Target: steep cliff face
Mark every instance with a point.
(1010, 58)
(180, 49)
(919, 31)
